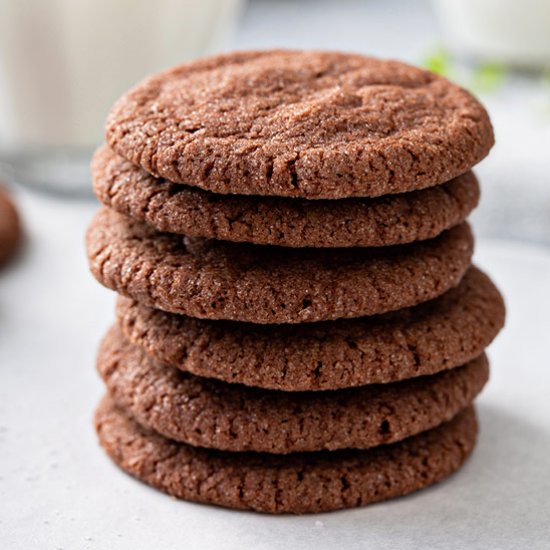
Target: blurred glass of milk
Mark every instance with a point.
(512, 32)
(64, 62)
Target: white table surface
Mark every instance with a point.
(58, 490)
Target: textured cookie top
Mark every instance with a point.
(261, 284)
(10, 227)
(231, 417)
(381, 221)
(438, 335)
(297, 483)
(300, 124)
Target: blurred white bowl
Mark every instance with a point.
(506, 31)
(64, 62)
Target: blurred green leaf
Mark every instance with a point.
(439, 62)
(488, 77)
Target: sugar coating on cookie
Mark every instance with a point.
(298, 483)
(441, 334)
(300, 124)
(244, 282)
(382, 221)
(218, 415)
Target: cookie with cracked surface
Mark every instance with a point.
(263, 284)
(207, 413)
(296, 483)
(300, 124)
(10, 228)
(441, 334)
(382, 221)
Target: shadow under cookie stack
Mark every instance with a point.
(299, 327)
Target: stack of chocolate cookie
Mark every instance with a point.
(299, 326)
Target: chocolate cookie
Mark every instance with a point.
(441, 334)
(298, 483)
(208, 413)
(300, 124)
(10, 228)
(262, 284)
(176, 208)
